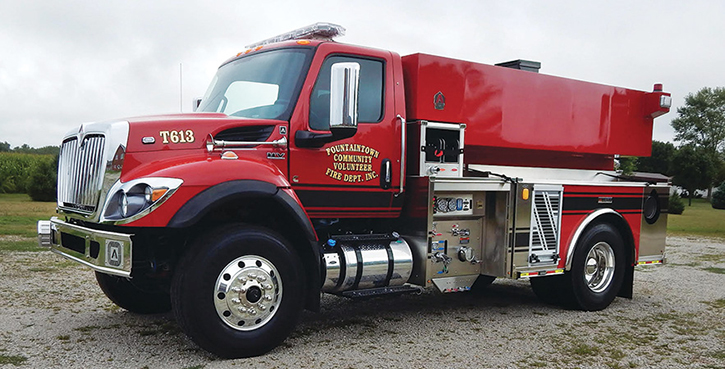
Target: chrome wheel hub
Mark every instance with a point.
(599, 267)
(248, 292)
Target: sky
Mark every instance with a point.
(63, 63)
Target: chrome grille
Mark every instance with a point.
(80, 173)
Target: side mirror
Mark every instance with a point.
(195, 103)
(344, 82)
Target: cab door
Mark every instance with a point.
(357, 176)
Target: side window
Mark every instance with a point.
(370, 108)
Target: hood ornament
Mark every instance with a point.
(81, 135)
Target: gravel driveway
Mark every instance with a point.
(54, 315)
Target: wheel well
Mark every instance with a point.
(623, 229)
(267, 213)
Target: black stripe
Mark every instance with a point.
(587, 212)
(590, 203)
(349, 186)
(522, 239)
(391, 264)
(573, 193)
(344, 199)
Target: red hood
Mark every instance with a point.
(181, 131)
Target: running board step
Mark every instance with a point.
(374, 292)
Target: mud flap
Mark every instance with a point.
(627, 283)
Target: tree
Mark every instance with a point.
(660, 161)
(5, 146)
(693, 168)
(701, 121)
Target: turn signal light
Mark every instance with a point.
(158, 193)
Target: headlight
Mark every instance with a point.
(147, 193)
(123, 203)
(131, 200)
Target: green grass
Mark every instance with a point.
(12, 359)
(19, 214)
(18, 221)
(699, 219)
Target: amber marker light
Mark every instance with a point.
(229, 155)
(158, 193)
(525, 194)
(303, 42)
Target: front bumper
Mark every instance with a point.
(102, 251)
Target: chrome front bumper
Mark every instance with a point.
(102, 251)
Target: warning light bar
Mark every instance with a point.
(317, 31)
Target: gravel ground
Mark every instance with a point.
(54, 315)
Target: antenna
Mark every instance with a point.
(181, 110)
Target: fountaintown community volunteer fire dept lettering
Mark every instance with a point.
(352, 163)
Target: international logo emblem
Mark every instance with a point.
(439, 101)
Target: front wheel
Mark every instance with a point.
(126, 294)
(597, 269)
(238, 291)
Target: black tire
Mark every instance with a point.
(595, 279)
(124, 293)
(232, 268)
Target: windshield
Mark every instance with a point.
(263, 85)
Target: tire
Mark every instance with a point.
(238, 291)
(597, 269)
(124, 293)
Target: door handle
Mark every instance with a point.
(386, 174)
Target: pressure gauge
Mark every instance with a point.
(451, 204)
(442, 205)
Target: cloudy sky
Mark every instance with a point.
(67, 62)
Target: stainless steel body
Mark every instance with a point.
(653, 232)
(467, 231)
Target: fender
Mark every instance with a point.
(199, 205)
(199, 173)
(628, 283)
(582, 226)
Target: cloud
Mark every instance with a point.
(69, 62)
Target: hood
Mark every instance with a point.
(190, 131)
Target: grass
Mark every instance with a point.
(699, 219)
(12, 359)
(19, 216)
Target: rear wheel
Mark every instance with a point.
(238, 291)
(124, 293)
(597, 269)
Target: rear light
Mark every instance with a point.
(665, 101)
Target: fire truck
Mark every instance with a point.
(312, 166)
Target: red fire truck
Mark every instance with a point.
(312, 166)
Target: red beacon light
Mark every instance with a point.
(317, 31)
